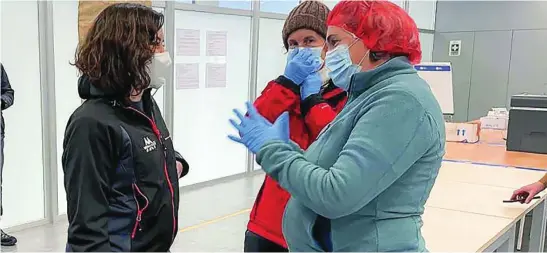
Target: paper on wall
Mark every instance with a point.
(187, 76)
(89, 10)
(217, 43)
(215, 75)
(188, 42)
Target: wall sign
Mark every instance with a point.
(454, 48)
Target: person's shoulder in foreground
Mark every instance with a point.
(404, 102)
(406, 84)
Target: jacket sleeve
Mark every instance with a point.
(88, 155)
(7, 91)
(317, 114)
(279, 96)
(382, 145)
(185, 165)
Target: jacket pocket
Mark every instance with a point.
(170, 160)
(142, 204)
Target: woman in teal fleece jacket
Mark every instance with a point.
(362, 185)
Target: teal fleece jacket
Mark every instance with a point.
(362, 185)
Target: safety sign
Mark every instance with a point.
(455, 48)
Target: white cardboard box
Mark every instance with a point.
(492, 122)
(462, 132)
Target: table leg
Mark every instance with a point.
(521, 233)
(537, 231)
(509, 244)
(504, 243)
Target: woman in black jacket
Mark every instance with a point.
(120, 169)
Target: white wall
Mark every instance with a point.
(426, 41)
(271, 55)
(159, 94)
(65, 26)
(201, 114)
(271, 52)
(23, 186)
(278, 6)
(423, 13)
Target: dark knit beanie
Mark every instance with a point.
(310, 14)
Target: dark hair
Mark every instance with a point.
(379, 55)
(118, 48)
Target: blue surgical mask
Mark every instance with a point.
(338, 61)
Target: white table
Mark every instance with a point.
(488, 175)
(475, 193)
(455, 231)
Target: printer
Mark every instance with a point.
(527, 127)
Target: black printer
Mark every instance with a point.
(527, 128)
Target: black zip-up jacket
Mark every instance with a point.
(120, 176)
(7, 93)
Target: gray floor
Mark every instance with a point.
(212, 219)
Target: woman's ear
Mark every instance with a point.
(159, 46)
(324, 52)
(159, 49)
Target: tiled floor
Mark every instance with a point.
(212, 219)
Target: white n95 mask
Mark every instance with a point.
(159, 69)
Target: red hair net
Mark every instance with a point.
(381, 25)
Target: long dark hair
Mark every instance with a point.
(118, 48)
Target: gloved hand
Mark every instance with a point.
(301, 64)
(255, 130)
(311, 85)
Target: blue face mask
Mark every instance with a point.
(338, 61)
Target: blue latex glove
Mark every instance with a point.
(302, 63)
(255, 130)
(312, 85)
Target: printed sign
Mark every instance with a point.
(217, 43)
(188, 42)
(187, 76)
(455, 48)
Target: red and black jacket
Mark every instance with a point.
(306, 119)
(120, 176)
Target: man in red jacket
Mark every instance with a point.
(312, 101)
